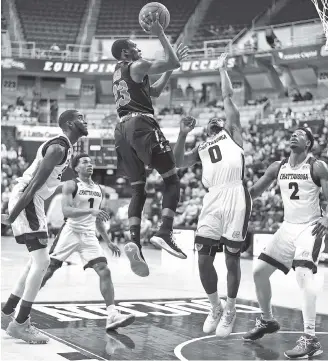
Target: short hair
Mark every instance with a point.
(76, 159)
(118, 46)
(308, 134)
(65, 117)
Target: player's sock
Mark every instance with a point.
(167, 224)
(263, 292)
(231, 303)
(11, 304)
(110, 309)
(306, 281)
(215, 300)
(24, 311)
(135, 234)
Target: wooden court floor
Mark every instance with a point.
(169, 306)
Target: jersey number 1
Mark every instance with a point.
(121, 94)
(215, 154)
(91, 200)
(294, 185)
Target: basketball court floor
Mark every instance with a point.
(169, 306)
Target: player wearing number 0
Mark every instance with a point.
(226, 206)
(139, 140)
(81, 207)
(29, 224)
(299, 240)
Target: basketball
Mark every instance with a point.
(163, 13)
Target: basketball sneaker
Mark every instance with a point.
(306, 346)
(213, 319)
(26, 332)
(226, 323)
(261, 328)
(115, 320)
(137, 262)
(166, 241)
(6, 319)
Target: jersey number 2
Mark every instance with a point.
(294, 185)
(121, 94)
(215, 154)
(91, 200)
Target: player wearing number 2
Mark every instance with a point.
(29, 223)
(226, 207)
(81, 207)
(299, 240)
(139, 140)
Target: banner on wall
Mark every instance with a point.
(300, 53)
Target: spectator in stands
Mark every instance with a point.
(307, 95)
(190, 92)
(55, 47)
(272, 39)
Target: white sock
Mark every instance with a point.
(231, 304)
(306, 281)
(110, 309)
(214, 300)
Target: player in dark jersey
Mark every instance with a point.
(139, 140)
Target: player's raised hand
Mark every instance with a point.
(187, 124)
(222, 61)
(115, 250)
(182, 52)
(5, 219)
(100, 214)
(321, 227)
(151, 24)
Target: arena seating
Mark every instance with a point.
(229, 17)
(122, 19)
(51, 21)
(295, 10)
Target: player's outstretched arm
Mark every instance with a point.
(157, 88)
(142, 67)
(102, 230)
(265, 181)
(182, 158)
(232, 113)
(320, 173)
(54, 155)
(70, 211)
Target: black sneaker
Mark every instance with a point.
(261, 328)
(166, 241)
(306, 346)
(137, 260)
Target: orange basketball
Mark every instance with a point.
(163, 13)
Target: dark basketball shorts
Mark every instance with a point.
(138, 139)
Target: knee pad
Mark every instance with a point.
(171, 196)
(138, 200)
(229, 251)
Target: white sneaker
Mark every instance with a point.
(26, 332)
(116, 319)
(213, 319)
(226, 323)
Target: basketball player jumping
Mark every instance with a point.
(226, 207)
(139, 140)
(29, 224)
(81, 207)
(299, 240)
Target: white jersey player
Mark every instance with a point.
(29, 224)
(226, 207)
(298, 242)
(81, 204)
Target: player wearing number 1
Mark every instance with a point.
(226, 207)
(81, 204)
(29, 223)
(139, 140)
(299, 240)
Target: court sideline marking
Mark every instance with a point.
(178, 349)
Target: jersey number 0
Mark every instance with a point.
(121, 94)
(215, 154)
